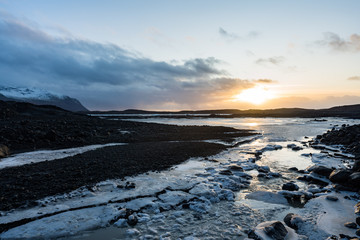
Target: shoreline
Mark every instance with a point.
(150, 147)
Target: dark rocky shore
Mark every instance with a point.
(349, 137)
(150, 147)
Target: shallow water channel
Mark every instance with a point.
(199, 199)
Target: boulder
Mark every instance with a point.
(293, 220)
(276, 231)
(340, 176)
(350, 225)
(4, 151)
(356, 166)
(290, 186)
(355, 180)
(321, 170)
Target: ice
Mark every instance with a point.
(64, 224)
(173, 198)
(269, 197)
(139, 203)
(324, 218)
(48, 155)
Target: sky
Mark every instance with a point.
(174, 55)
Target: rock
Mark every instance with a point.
(290, 186)
(357, 232)
(4, 151)
(263, 169)
(350, 225)
(321, 170)
(235, 167)
(355, 180)
(132, 220)
(293, 220)
(358, 221)
(261, 175)
(295, 169)
(226, 172)
(276, 230)
(294, 147)
(357, 208)
(121, 223)
(332, 198)
(340, 176)
(356, 166)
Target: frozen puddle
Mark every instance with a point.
(48, 155)
(221, 197)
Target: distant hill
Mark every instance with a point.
(349, 111)
(40, 97)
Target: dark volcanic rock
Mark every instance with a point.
(321, 170)
(4, 151)
(347, 135)
(332, 198)
(293, 220)
(355, 180)
(340, 176)
(276, 231)
(350, 225)
(290, 186)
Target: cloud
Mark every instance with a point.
(354, 78)
(272, 60)
(232, 36)
(335, 42)
(106, 76)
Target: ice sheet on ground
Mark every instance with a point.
(324, 218)
(269, 197)
(64, 224)
(48, 155)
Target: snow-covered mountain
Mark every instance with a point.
(40, 97)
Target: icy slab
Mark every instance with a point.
(269, 197)
(64, 224)
(48, 155)
(324, 218)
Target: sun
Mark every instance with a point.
(256, 95)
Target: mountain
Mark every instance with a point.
(348, 111)
(40, 97)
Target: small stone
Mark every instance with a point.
(358, 221)
(332, 198)
(132, 220)
(235, 167)
(290, 186)
(357, 232)
(226, 172)
(263, 169)
(350, 225)
(4, 151)
(295, 169)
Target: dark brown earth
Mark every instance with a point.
(150, 147)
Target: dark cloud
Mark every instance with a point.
(267, 81)
(354, 78)
(106, 76)
(335, 42)
(272, 60)
(232, 36)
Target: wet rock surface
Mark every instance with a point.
(347, 135)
